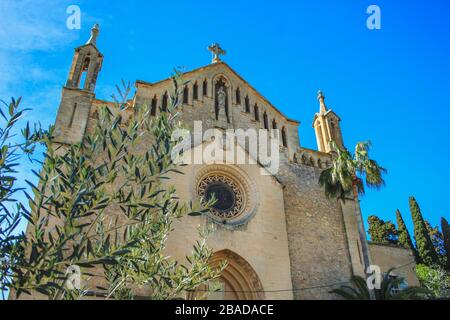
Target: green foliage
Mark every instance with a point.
(446, 234)
(404, 238)
(349, 172)
(424, 244)
(389, 290)
(382, 232)
(437, 238)
(106, 206)
(149, 205)
(435, 279)
(13, 148)
(147, 267)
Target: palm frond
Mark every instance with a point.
(413, 293)
(374, 174)
(360, 186)
(348, 170)
(333, 187)
(361, 284)
(359, 291)
(362, 150)
(348, 293)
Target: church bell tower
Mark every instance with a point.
(327, 126)
(78, 93)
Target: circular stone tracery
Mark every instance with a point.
(236, 193)
(229, 196)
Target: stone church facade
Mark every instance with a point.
(283, 238)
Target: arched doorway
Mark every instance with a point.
(238, 281)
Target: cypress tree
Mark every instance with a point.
(437, 239)
(424, 244)
(404, 238)
(446, 232)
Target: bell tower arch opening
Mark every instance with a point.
(81, 82)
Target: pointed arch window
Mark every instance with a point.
(284, 137)
(186, 95)
(195, 91)
(165, 100)
(205, 88)
(319, 163)
(238, 96)
(153, 106)
(304, 159)
(266, 121)
(247, 104)
(256, 111)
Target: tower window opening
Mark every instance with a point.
(72, 116)
(83, 75)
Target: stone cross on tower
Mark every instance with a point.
(216, 51)
(321, 98)
(94, 34)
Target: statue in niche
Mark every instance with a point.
(221, 100)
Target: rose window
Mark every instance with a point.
(228, 195)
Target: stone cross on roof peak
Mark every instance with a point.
(216, 51)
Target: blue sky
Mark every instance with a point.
(390, 85)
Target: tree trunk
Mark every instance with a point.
(362, 233)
